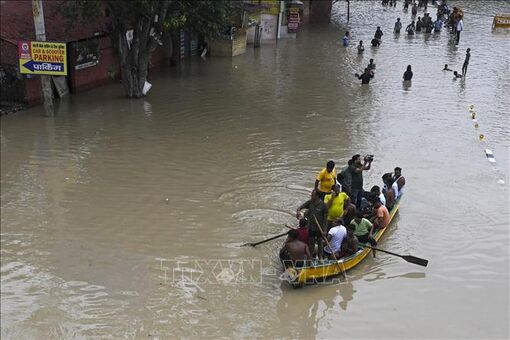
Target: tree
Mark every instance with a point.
(148, 20)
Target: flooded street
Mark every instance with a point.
(101, 203)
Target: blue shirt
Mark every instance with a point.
(438, 24)
(346, 40)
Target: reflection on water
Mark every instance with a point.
(223, 151)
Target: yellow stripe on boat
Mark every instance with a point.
(331, 268)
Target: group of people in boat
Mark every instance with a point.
(340, 213)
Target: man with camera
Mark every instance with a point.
(356, 169)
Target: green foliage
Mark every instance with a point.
(206, 17)
(209, 18)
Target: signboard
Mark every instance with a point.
(267, 6)
(293, 22)
(86, 54)
(182, 41)
(42, 57)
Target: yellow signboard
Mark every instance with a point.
(268, 6)
(42, 57)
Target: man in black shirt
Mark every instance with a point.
(378, 33)
(356, 169)
(408, 74)
(466, 62)
(366, 76)
(316, 210)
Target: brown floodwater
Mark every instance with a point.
(111, 209)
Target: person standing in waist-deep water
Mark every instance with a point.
(408, 74)
(460, 28)
(365, 76)
(466, 62)
(378, 33)
(419, 25)
(361, 48)
(345, 39)
(371, 65)
(398, 26)
(438, 25)
(410, 28)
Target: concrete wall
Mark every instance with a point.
(229, 48)
(12, 86)
(239, 43)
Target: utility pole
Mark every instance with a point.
(348, 10)
(40, 35)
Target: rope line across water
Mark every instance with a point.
(488, 152)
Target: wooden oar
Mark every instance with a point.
(408, 258)
(327, 243)
(264, 241)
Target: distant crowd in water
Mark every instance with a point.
(452, 18)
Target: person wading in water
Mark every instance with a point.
(466, 62)
(408, 74)
(365, 76)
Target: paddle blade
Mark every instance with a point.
(416, 260)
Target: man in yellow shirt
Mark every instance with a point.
(325, 180)
(335, 203)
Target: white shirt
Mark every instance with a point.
(397, 192)
(382, 198)
(338, 234)
(460, 26)
(394, 186)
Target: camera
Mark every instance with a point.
(369, 158)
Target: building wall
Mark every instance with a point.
(229, 48)
(268, 23)
(17, 24)
(106, 71)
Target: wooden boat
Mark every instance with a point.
(319, 270)
(501, 20)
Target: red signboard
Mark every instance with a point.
(293, 22)
(24, 50)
